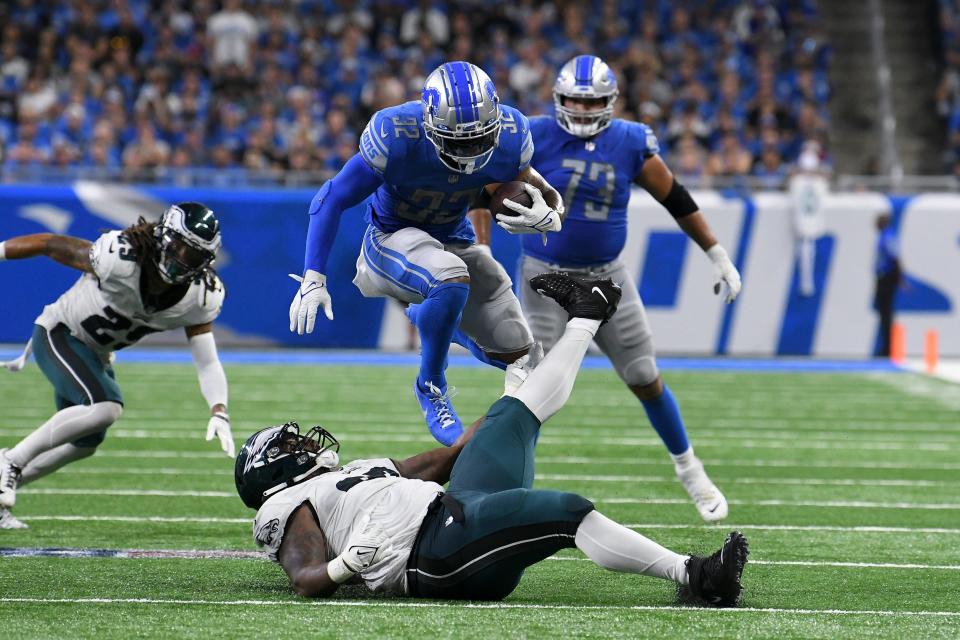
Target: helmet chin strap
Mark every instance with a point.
(327, 459)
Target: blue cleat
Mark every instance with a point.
(442, 420)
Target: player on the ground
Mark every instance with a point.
(390, 523)
(149, 277)
(427, 162)
(593, 159)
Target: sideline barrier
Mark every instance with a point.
(264, 231)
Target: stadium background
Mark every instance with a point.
(842, 474)
(250, 106)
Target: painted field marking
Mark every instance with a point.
(637, 525)
(816, 563)
(160, 434)
(555, 477)
(853, 504)
(598, 460)
(407, 604)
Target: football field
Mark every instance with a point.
(846, 484)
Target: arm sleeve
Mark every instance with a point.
(213, 381)
(350, 187)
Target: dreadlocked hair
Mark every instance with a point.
(141, 238)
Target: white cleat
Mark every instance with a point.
(709, 501)
(9, 480)
(9, 521)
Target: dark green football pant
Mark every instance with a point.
(478, 545)
(77, 374)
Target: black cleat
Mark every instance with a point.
(592, 299)
(715, 580)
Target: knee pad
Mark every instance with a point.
(104, 414)
(639, 371)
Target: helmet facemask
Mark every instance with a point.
(461, 116)
(187, 237)
(584, 124)
(465, 151)
(585, 78)
(276, 458)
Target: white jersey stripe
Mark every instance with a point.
(489, 553)
(76, 377)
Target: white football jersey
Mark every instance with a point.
(340, 499)
(105, 311)
(808, 193)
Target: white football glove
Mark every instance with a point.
(219, 425)
(19, 363)
(312, 294)
(726, 275)
(538, 218)
(367, 546)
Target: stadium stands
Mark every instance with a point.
(277, 92)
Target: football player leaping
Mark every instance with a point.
(149, 277)
(427, 163)
(390, 524)
(594, 158)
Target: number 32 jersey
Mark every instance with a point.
(418, 190)
(594, 177)
(361, 491)
(105, 311)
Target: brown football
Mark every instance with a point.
(509, 191)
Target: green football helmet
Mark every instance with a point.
(276, 458)
(188, 238)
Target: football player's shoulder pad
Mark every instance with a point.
(515, 135)
(112, 256)
(640, 136)
(387, 135)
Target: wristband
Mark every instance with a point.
(3, 251)
(338, 570)
(223, 415)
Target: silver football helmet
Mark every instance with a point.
(585, 77)
(461, 115)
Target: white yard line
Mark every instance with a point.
(852, 504)
(636, 525)
(587, 460)
(802, 444)
(411, 604)
(816, 563)
(157, 519)
(555, 477)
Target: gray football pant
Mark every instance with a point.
(626, 339)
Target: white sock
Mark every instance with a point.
(49, 461)
(65, 426)
(617, 548)
(548, 386)
(685, 459)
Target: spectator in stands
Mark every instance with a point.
(708, 68)
(232, 31)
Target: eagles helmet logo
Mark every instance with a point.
(188, 238)
(276, 458)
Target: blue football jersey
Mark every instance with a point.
(418, 190)
(594, 177)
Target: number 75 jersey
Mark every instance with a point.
(594, 176)
(105, 309)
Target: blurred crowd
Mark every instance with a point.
(948, 90)
(150, 89)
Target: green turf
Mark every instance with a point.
(803, 458)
